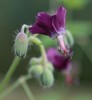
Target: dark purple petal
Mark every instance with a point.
(59, 61)
(50, 25)
(42, 25)
(59, 19)
(36, 29)
(44, 20)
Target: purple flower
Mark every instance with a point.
(63, 64)
(50, 25)
(59, 20)
(59, 61)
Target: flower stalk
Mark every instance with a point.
(9, 73)
(12, 67)
(41, 46)
(20, 81)
(28, 91)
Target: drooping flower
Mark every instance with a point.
(59, 61)
(63, 64)
(51, 25)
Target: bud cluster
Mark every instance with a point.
(47, 78)
(43, 73)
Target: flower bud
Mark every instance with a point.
(35, 71)
(21, 45)
(50, 66)
(35, 61)
(47, 78)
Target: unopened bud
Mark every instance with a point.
(21, 45)
(35, 61)
(35, 71)
(47, 78)
(50, 66)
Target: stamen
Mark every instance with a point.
(62, 45)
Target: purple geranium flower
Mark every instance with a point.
(63, 64)
(59, 61)
(51, 25)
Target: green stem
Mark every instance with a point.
(14, 86)
(9, 90)
(41, 46)
(9, 73)
(44, 60)
(27, 90)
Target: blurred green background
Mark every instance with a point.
(14, 13)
